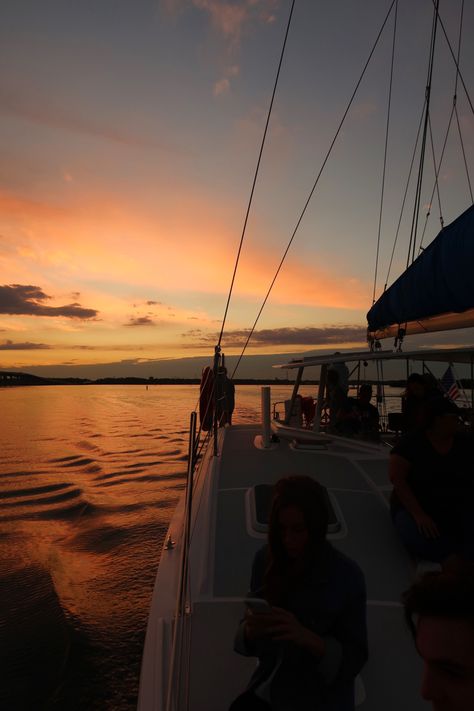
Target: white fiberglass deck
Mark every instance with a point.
(224, 545)
(358, 481)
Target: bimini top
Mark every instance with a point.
(432, 355)
(436, 292)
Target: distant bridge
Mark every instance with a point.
(8, 379)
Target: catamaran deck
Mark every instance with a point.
(222, 549)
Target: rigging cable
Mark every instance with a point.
(437, 168)
(405, 195)
(455, 102)
(416, 207)
(256, 173)
(456, 62)
(464, 156)
(385, 152)
(305, 207)
(453, 113)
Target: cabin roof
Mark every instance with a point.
(446, 355)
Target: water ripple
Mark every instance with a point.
(88, 495)
(32, 490)
(64, 459)
(77, 462)
(42, 500)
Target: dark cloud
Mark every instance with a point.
(309, 336)
(154, 303)
(141, 321)
(23, 299)
(26, 346)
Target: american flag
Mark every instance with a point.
(449, 384)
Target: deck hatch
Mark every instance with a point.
(260, 499)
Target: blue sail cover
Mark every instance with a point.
(436, 292)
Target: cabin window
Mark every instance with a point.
(258, 503)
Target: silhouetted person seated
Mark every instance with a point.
(225, 397)
(420, 389)
(312, 640)
(432, 472)
(340, 411)
(440, 612)
(366, 414)
(308, 410)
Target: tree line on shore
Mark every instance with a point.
(9, 379)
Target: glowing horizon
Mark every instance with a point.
(127, 169)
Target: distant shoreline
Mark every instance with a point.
(12, 379)
(9, 379)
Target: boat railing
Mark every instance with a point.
(179, 662)
(177, 691)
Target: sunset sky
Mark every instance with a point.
(129, 134)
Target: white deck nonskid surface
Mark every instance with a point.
(359, 482)
(354, 480)
(222, 551)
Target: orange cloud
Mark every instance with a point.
(188, 248)
(227, 19)
(300, 283)
(221, 87)
(13, 205)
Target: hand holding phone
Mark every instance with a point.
(257, 618)
(257, 604)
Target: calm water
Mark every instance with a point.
(89, 478)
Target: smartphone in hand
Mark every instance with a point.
(257, 604)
